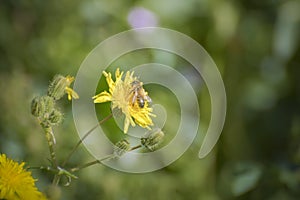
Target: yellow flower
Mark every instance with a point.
(15, 182)
(121, 94)
(71, 93)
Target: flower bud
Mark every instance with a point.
(35, 107)
(152, 139)
(55, 117)
(58, 85)
(121, 148)
(42, 106)
(48, 104)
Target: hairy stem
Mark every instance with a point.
(51, 143)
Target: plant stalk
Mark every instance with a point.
(87, 134)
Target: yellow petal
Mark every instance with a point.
(70, 79)
(143, 121)
(71, 93)
(126, 125)
(110, 82)
(142, 115)
(102, 97)
(118, 75)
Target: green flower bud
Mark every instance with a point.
(47, 104)
(55, 117)
(35, 107)
(121, 148)
(152, 139)
(42, 106)
(57, 86)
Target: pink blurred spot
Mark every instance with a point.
(140, 17)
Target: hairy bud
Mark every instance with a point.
(57, 88)
(152, 139)
(121, 148)
(55, 117)
(42, 106)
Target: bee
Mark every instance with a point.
(139, 94)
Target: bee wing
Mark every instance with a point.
(148, 99)
(134, 97)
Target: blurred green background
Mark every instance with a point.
(256, 46)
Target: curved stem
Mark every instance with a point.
(81, 140)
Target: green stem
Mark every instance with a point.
(100, 160)
(56, 179)
(51, 142)
(87, 134)
(92, 163)
(136, 147)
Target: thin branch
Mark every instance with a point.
(100, 160)
(92, 163)
(87, 134)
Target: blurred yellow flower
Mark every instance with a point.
(16, 182)
(122, 95)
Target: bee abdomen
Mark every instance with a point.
(141, 102)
